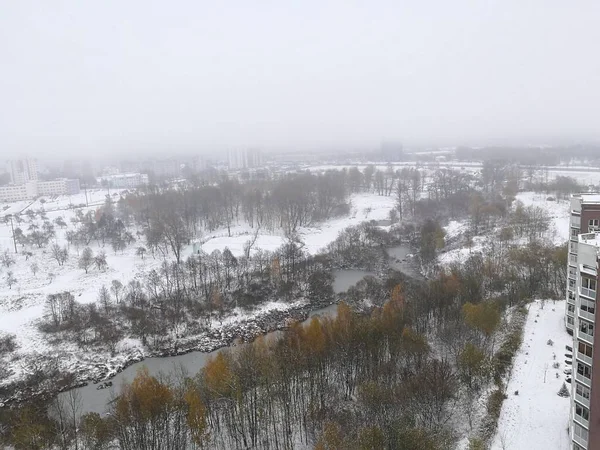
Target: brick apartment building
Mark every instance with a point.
(580, 320)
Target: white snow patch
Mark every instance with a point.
(558, 210)
(537, 417)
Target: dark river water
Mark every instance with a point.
(97, 400)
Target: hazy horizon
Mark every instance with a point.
(159, 77)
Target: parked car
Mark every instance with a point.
(569, 349)
(568, 371)
(568, 379)
(568, 362)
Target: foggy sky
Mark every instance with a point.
(130, 76)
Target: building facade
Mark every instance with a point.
(32, 189)
(238, 159)
(580, 319)
(23, 170)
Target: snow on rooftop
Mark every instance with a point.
(590, 239)
(590, 198)
(537, 417)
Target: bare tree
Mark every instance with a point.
(104, 298)
(100, 261)
(116, 287)
(6, 259)
(87, 259)
(60, 254)
(10, 279)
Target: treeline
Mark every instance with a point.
(183, 299)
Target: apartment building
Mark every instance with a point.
(580, 314)
(23, 170)
(244, 159)
(62, 186)
(32, 189)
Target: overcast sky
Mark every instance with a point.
(138, 75)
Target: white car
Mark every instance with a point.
(568, 371)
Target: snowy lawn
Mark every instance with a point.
(363, 207)
(537, 418)
(23, 305)
(558, 210)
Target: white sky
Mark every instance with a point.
(115, 76)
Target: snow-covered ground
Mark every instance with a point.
(537, 418)
(363, 207)
(23, 305)
(558, 230)
(558, 210)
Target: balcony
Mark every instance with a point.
(581, 421)
(583, 358)
(587, 315)
(587, 338)
(583, 380)
(579, 440)
(582, 400)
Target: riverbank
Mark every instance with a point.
(210, 341)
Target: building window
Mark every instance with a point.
(571, 295)
(593, 224)
(584, 370)
(571, 284)
(574, 232)
(571, 308)
(570, 320)
(582, 391)
(585, 349)
(588, 287)
(582, 411)
(580, 432)
(586, 327)
(587, 307)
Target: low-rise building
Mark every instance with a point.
(32, 189)
(124, 180)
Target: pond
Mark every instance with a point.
(400, 260)
(345, 279)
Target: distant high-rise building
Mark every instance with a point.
(23, 170)
(244, 159)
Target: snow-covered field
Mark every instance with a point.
(22, 306)
(363, 207)
(537, 418)
(557, 233)
(558, 210)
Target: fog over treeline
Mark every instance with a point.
(149, 76)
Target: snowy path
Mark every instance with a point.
(537, 418)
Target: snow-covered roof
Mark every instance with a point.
(590, 238)
(590, 198)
